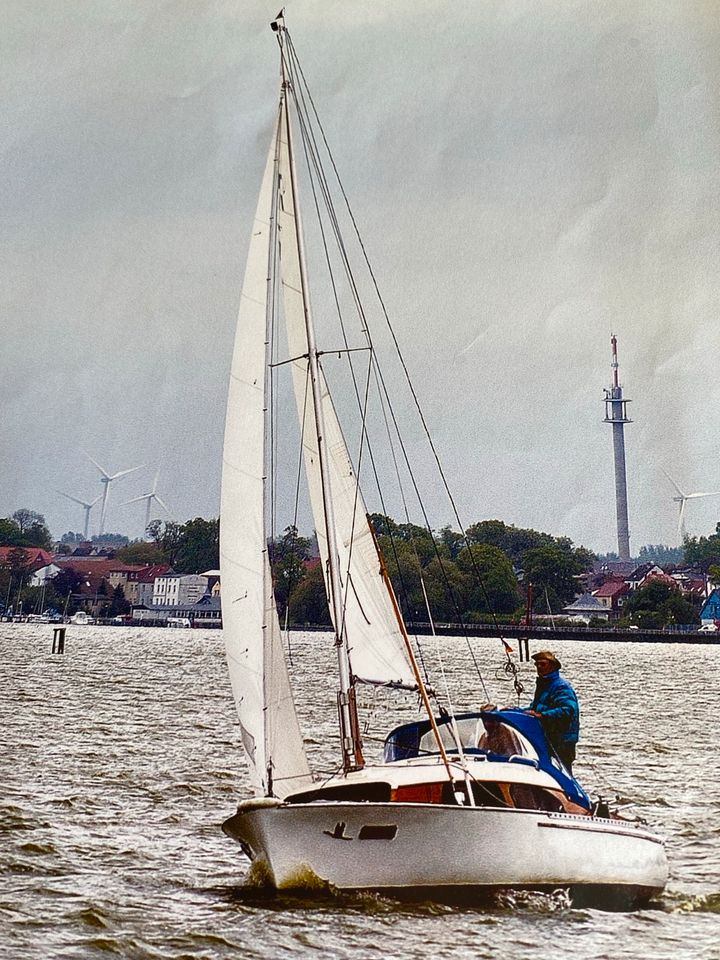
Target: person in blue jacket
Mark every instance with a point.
(556, 705)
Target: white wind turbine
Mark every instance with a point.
(149, 497)
(106, 479)
(87, 507)
(682, 498)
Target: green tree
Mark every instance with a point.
(657, 604)
(141, 552)
(119, 605)
(382, 525)
(166, 536)
(514, 541)
(33, 528)
(106, 591)
(450, 542)
(703, 551)
(67, 582)
(199, 546)
(10, 533)
(552, 571)
(447, 590)
(404, 569)
(288, 554)
(660, 553)
(110, 539)
(492, 584)
(71, 537)
(25, 519)
(419, 538)
(308, 602)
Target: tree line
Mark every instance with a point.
(465, 578)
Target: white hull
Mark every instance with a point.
(407, 846)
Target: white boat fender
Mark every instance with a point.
(258, 803)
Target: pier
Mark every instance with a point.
(546, 634)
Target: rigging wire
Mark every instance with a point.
(319, 180)
(291, 587)
(383, 393)
(312, 160)
(312, 154)
(307, 148)
(401, 358)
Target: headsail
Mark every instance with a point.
(253, 643)
(375, 645)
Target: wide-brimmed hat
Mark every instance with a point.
(547, 655)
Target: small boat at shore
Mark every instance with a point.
(459, 803)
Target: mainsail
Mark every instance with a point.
(253, 642)
(376, 647)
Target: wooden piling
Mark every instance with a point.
(524, 642)
(58, 645)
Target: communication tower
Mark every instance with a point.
(616, 414)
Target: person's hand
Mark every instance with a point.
(533, 713)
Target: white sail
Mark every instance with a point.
(376, 646)
(258, 672)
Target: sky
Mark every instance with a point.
(529, 177)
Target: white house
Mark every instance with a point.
(44, 574)
(176, 589)
(585, 607)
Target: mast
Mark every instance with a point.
(349, 727)
(266, 452)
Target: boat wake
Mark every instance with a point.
(698, 903)
(539, 901)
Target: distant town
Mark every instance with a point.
(495, 571)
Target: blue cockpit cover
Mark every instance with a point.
(404, 742)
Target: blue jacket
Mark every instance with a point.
(557, 703)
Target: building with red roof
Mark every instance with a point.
(612, 595)
(35, 557)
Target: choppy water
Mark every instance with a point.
(120, 759)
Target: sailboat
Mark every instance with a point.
(459, 802)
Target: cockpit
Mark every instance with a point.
(473, 733)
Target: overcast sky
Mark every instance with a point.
(529, 178)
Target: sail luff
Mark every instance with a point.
(251, 629)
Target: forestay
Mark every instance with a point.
(258, 672)
(375, 644)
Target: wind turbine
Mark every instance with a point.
(106, 479)
(87, 507)
(682, 499)
(149, 497)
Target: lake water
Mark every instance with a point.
(120, 759)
